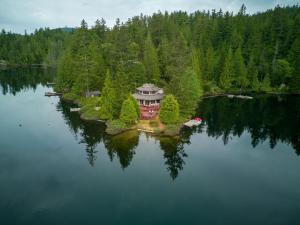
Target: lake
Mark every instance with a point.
(242, 166)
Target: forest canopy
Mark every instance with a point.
(218, 50)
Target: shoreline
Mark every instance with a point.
(160, 129)
(141, 126)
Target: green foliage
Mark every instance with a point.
(172, 129)
(266, 84)
(187, 89)
(282, 72)
(154, 123)
(135, 103)
(239, 68)
(169, 110)
(151, 61)
(227, 72)
(43, 47)
(161, 47)
(115, 127)
(195, 58)
(252, 74)
(107, 99)
(128, 112)
(294, 59)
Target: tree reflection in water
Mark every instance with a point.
(123, 146)
(15, 80)
(174, 154)
(266, 117)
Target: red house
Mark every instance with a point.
(149, 97)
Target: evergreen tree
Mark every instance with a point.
(107, 99)
(209, 66)
(266, 84)
(128, 112)
(136, 105)
(163, 55)
(227, 72)
(151, 61)
(282, 72)
(134, 68)
(178, 58)
(195, 59)
(294, 58)
(240, 72)
(252, 75)
(188, 91)
(169, 110)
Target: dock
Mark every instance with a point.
(74, 109)
(49, 94)
(239, 96)
(146, 131)
(193, 123)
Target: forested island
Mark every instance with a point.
(187, 55)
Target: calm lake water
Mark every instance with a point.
(241, 167)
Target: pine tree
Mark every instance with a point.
(209, 65)
(178, 59)
(135, 103)
(240, 72)
(227, 72)
(169, 110)
(252, 75)
(134, 68)
(151, 61)
(107, 99)
(187, 90)
(128, 112)
(294, 58)
(195, 59)
(266, 84)
(163, 55)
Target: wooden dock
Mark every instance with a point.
(146, 131)
(49, 94)
(239, 96)
(193, 123)
(74, 109)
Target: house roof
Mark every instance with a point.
(148, 87)
(157, 96)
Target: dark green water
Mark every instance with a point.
(241, 167)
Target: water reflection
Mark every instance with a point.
(272, 118)
(174, 155)
(266, 118)
(15, 80)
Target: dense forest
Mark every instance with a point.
(43, 47)
(186, 54)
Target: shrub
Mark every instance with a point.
(169, 111)
(128, 112)
(115, 127)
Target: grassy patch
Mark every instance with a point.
(88, 110)
(173, 129)
(116, 127)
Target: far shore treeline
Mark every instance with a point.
(186, 54)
